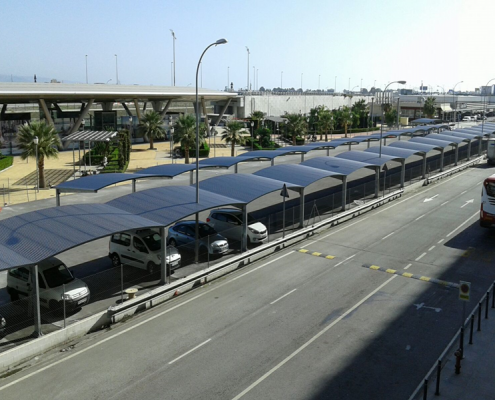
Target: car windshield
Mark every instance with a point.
(153, 241)
(58, 275)
(206, 230)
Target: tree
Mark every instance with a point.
(346, 118)
(296, 125)
(257, 116)
(185, 133)
(264, 135)
(313, 119)
(325, 122)
(152, 126)
(232, 135)
(48, 143)
(429, 107)
(391, 117)
(359, 108)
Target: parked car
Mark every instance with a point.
(229, 222)
(3, 327)
(183, 234)
(141, 248)
(466, 118)
(55, 282)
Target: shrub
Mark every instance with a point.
(5, 161)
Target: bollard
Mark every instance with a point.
(439, 370)
(479, 316)
(458, 358)
(472, 327)
(487, 302)
(425, 390)
(461, 342)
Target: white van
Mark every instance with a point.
(141, 248)
(53, 276)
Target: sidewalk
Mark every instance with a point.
(475, 380)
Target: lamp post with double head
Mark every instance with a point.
(484, 106)
(36, 141)
(453, 100)
(383, 99)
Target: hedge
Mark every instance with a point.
(204, 151)
(6, 161)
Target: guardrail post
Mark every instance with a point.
(479, 316)
(487, 303)
(472, 328)
(439, 370)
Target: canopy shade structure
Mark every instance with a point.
(91, 136)
(168, 170)
(40, 234)
(338, 165)
(442, 136)
(93, 183)
(245, 187)
(432, 141)
(425, 121)
(166, 205)
(395, 151)
(415, 146)
(369, 158)
(220, 162)
(295, 173)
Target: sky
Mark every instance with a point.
(318, 42)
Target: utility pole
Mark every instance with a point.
(173, 40)
(247, 87)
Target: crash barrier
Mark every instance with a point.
(453, 170)
(459, 339)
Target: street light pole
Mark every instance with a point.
(86, 69)
(335, 85)
(36, 141)
(301, 80)
(484, 107)
(453, 99)
(116, 69)
(219, 41)
(228, 78)
(247, 88)
(173, 40)
(281, 79)
(252, 137)
(381, 125)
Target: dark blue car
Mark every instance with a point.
(182, 235)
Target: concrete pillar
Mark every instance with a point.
(301, 209)
(273, 162)
(138, 111)
(48, 116)
(344, 192)
(82, 115)
(328, 151)
(224, 108)
(207, 121)
(403, 174)
(377, 181)
(165, 109)
(368, 144)
(244, 229)
(236, 168)
(36, 301)
(107, 105)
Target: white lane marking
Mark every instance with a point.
(431, 248)
(440, 241)
(295, 353)
(407, 266)
(390, 234)
(467, 202)
(445, 202)
(190, 351)
(280, 298)
(429, 198)
(417, 219)
(464, 223)
(137, 325)
(464, 192)
(420, 257)
(343, 261)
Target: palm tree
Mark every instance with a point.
(296, 125)
(429, 107)
(257, 116)
(325, 122)
(185, 133)
(232, 135)
(48, 143)
(346, 118)
(151, 126)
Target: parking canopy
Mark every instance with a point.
(370, 158)
(395, 151)
(338, 165)
(439, 143)
(32, 237)
(93, 183)
(425, 148)
(296, 173)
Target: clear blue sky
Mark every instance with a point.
(439, 42)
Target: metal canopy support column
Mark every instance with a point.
(424, 166)
(456, 159)
(368, 144)
(301, 209)
(244, 228)
(134, 186)
(236, 168)
(377, 181)
(469, 151)
(328, 151)
(82, 115)
(403, 174)
(57, 194)
(273, 162)
(138, 111)
(302, 157)
(164, 268)
(48, 116)
(442, 152)
(191, 177)
(480, 141)
(165, 109)
(224, 108)
(344, 192)
(36, 301)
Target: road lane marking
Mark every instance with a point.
(464, 223)
(421, 216)
(444, 203)
(409, 275)
(281, 297)
(464, 192)
(138, 324)
(189, 352)
(310, 341)
(440, 241)
(420, 257)
(431, 248)
(407, 266)
(390, 234)
(343, 261)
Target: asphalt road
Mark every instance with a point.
(295, 325)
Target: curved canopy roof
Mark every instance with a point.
(296, 173)
(395, 151)
(371, 158)
(244, 187)
(367, 138)
(264, 154)
(439, 143)
(92, 136)
(468, 137)
(338, 165)
(166, 205)
(442, 136)
(220, 162)
(93, 183)
(474, 133)
(37, 235)
(168, 170)
(414, 146)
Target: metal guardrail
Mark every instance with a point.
(452, 171)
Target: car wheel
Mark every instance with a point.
(172, 243)
(115, 260)
(14, 295)
(152, 268)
